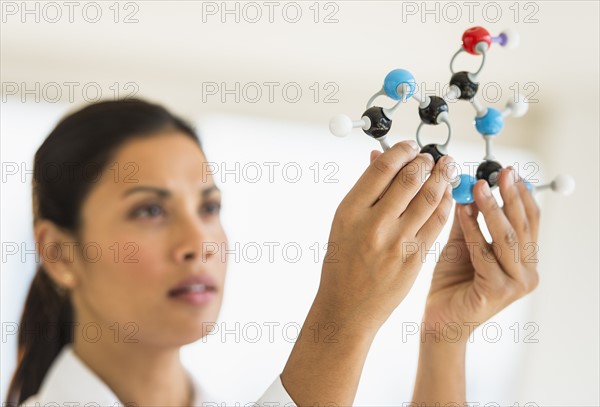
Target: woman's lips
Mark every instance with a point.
(194, 290)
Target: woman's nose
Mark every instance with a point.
(194, 241)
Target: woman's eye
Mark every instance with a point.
(212, 208)
(156, 211)
(148, 211)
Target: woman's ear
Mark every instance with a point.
(57, 251)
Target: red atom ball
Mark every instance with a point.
(473, 36)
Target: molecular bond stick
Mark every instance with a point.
(400, 85)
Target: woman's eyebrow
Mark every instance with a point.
(164, 193)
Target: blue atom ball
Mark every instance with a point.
(394, 79)
(463, 193)
(491, 123)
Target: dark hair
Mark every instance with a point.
(88, 138)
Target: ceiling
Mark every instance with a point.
(186, 54)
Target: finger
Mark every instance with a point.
(456, 232)
(374, 155)
(487, 270)
(428, 198)
(531, 208)
(437, 220)
(513, 206)
(503, 234)
(405, 185)
(380, 173)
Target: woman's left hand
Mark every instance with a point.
(474, 279)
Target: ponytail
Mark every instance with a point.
(46, 327)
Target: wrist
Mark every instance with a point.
(327, 359)
(440, 373)
(349, 321)
(449, 335)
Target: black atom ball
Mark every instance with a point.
(430, 113)
(468, 88)
(433, 150)
(380, 123)
(486, 169)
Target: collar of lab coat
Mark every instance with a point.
(70, 380)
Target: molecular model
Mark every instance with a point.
(400, 85)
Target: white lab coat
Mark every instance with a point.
(70, 382)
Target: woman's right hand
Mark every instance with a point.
(380, 233)
(380, 229)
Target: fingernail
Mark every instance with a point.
(511, 176)
(486, 189)
(449, 168)
(413, 144)
(427, 156)
(516, 176)
(469, 210)
(511, 180)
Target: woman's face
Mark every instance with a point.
(154, 215)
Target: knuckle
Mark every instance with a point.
(494, 206)
(375, 233)
(524, 227)
(409, 250)
(450, 199)
(535, 281)
(344, 211)
(502, 289)
(406, 149)
(423, 165)
(520, 287)
(411, 258)
(510, 292)
(528, 282)
(442, 217)
(430, 196)
(428, 164)
(488, 252)
(510, 237)
(407, 237)
(525, 283)
(409, 177)
(383, 166)
(443, 211)
(346, 215)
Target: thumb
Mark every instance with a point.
(456, 232)
(467, 222)
(374, 155)
(488, 275)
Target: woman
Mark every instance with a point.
(131, 187)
